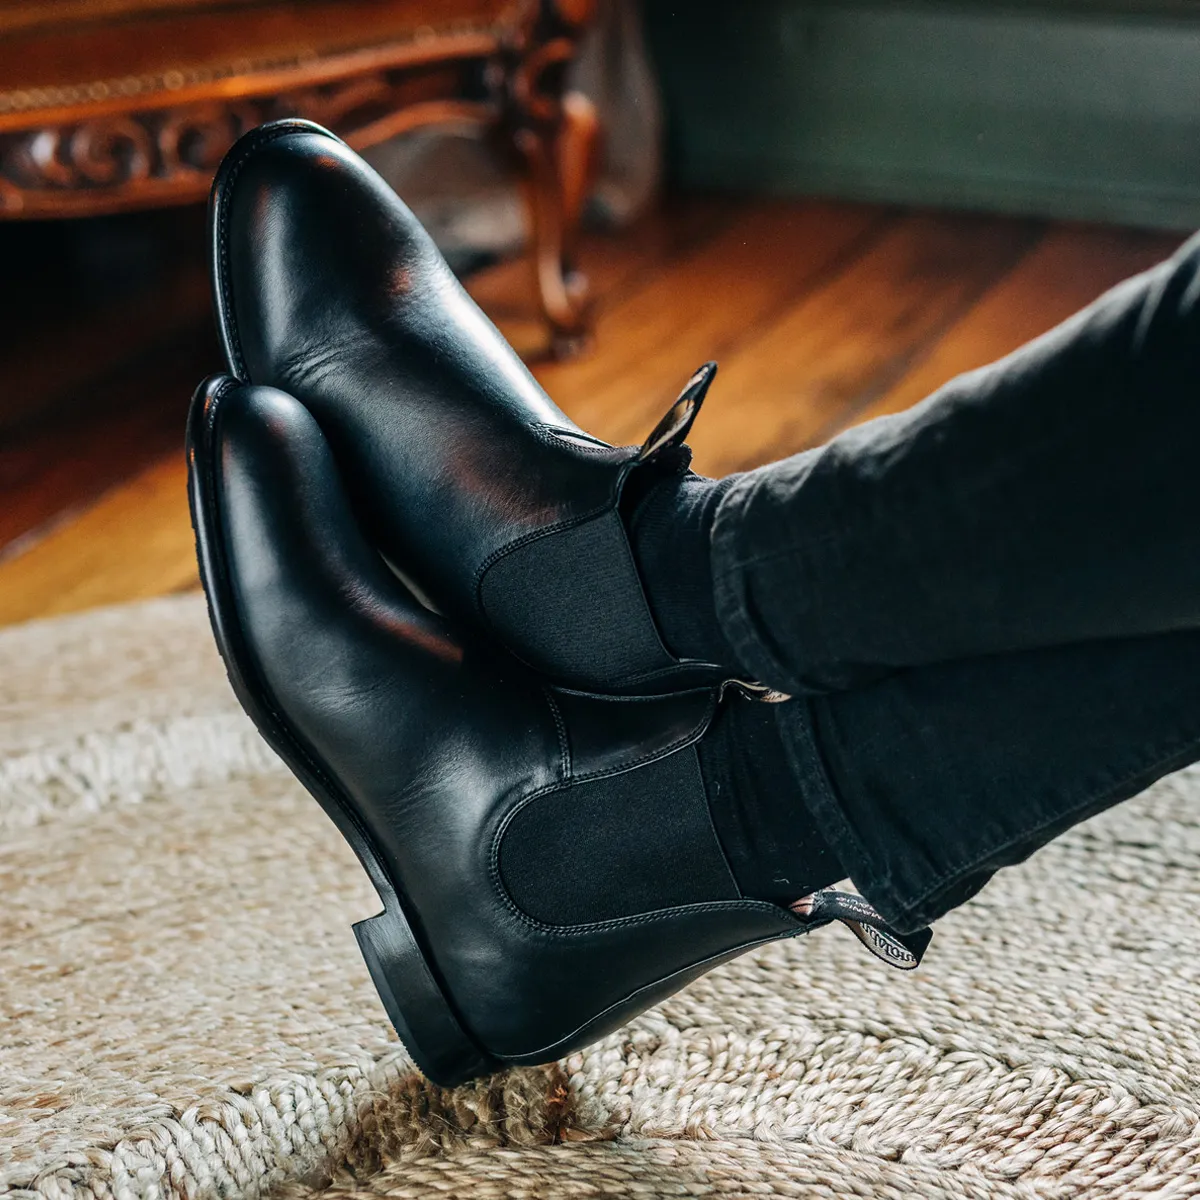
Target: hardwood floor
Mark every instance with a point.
(820, 314)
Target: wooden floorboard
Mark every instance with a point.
(615, 263)
(819, 361)
(135, 542)
(702, 304)
(821, 314)
(131, 416)
(1070, 267)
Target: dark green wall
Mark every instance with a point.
(1066, 109)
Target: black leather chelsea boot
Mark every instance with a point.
(545, 857)
(501, 511)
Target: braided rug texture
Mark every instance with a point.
(183, 1011)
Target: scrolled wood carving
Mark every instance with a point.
(537, 60)
(165, 155)
(114, 150)
(152, 147)
(11, 201)
(195, 138)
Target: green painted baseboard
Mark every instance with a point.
(1068, 110)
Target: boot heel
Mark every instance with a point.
(419, 1011)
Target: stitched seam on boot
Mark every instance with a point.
(564, 742)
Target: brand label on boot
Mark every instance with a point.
(902, 951)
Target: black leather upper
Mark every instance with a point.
(445, 751)
(498, 507)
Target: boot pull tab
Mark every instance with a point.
(673, 428)
(901, 950)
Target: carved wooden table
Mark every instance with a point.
(110, 105)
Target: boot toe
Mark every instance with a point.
(298, 223)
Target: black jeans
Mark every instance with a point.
(987, 607)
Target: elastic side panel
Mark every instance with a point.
(572, 605)
(616, 847)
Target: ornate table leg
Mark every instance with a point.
(555, 133)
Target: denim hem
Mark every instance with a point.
(795, 723)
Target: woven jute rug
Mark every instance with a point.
(183, 1011)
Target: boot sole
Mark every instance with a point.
(407, 984)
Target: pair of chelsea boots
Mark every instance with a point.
(517, 771)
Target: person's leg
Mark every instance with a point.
(927, 782)
(1051, 498)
